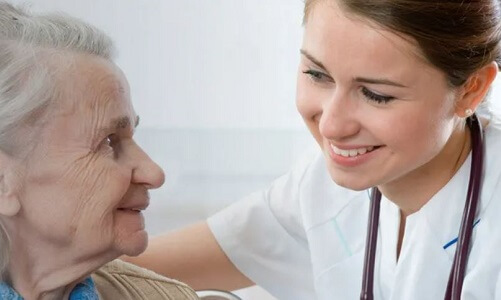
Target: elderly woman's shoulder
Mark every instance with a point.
(121, 280)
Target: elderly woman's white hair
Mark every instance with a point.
(27, 85)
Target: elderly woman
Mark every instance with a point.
(73, 182)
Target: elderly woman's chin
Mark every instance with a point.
(133, 245)
(131, 238)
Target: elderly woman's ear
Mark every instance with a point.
(9, 186)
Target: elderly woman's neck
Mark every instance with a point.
(38, 274)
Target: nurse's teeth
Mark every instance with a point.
(352, 152)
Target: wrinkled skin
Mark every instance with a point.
(88, 165)
(77, 187)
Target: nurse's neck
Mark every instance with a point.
(412, 191)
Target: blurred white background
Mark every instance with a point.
(214, 84)
(202, 64)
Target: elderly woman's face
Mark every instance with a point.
(87, 181)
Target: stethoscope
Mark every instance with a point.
(456, 277)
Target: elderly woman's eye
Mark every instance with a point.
(110, 141)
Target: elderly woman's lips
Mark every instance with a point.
(130, 209)
(137, 207)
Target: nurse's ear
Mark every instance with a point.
(9, 185)
(475, 89)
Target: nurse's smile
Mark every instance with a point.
(352, 155)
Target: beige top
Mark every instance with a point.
(124, 281)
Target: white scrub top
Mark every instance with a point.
(304, 237)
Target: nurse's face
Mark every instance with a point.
(377, 109)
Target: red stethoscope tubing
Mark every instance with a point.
(456, 277)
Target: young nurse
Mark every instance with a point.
(386, 88)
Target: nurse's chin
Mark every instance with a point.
(350, 183)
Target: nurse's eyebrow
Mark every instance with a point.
(358, 79)
(379, 81)
(312, 59)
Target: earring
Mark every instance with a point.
(468, 112)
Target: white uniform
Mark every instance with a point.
(304, 237)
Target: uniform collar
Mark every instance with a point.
(444, 210)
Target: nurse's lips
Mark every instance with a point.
(352, 155)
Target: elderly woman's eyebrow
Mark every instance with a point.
(119, 123)
(124, 122)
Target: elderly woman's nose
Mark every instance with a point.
(147, 172)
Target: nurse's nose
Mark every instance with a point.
(338, 119)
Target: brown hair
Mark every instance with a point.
(457, 37)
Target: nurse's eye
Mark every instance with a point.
(317, 76)
(370, 95)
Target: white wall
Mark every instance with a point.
(200, 63)
(204, 63)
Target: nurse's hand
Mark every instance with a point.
(192, 255)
